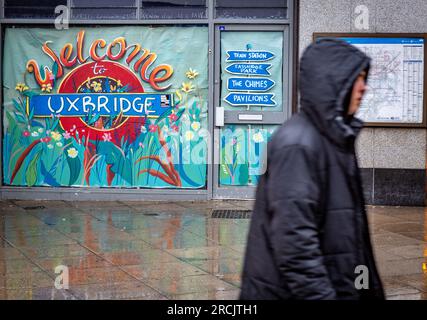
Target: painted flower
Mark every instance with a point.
(40, 130)
(175, 128)
(191, 74)
(50, 146)
(173, 117)
(66, 135)
(119, 83)
(203, 133)
(195, 125)
(34, 134)
(46, 87)
(88, 83)
(26, 133)
(143, 129)
(59, 144)
(189, 135)
(106, 136)
(234, 141)
(141, 145)
(21, 87)
(187, 87)
(97, 87)
(152, 128)
(257, 137)
(72, 153)
(46, 139)
(56, 135)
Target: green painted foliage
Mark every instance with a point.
(32, 170)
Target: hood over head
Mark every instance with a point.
(328, 71)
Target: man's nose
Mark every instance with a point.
(364, 87)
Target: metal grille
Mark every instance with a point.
(31, 9)
(231, 214)
(251, 9)
(106, 9)
(173, 9)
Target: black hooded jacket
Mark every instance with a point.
(309, 229)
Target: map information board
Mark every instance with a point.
(396, 80)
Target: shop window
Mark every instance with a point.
(27, 9)
(253, 9)
(173, 9)
(145, 132)
(242, 155)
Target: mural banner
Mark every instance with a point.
(110, 107)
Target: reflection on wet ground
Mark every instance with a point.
(174, 250)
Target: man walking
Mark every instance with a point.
(309, 229)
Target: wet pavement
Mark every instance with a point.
(173, 250)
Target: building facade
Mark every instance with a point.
(176, 99)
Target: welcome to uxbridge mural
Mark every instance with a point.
(98, 107)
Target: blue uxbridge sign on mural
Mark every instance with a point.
(104, 104)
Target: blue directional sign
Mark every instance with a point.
(250, 84)
(253, 99)
(236, 55)
(258, 69)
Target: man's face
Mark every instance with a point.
(357, 93)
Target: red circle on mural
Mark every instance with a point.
(128, 127)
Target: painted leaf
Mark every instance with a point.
(75, 167)
(10, 119)
(179, 95)
(30, 94)
(36, 124)
(18, 106)
(243, 174)
(31, 173)
(181, 170)
(20, 118)
(55, 123)
(94, 119)
(88, 116)
(48, 178)
(168, 112)
(106, 85)
(119, 164)
(31, 113)
(55, 69)
(224, 169)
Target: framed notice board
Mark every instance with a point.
(397, 78)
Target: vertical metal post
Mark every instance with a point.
(211, 107)
(69, 6)
(2, 9)
(138, 9)
(1, 101)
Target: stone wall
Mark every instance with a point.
(393, 160)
